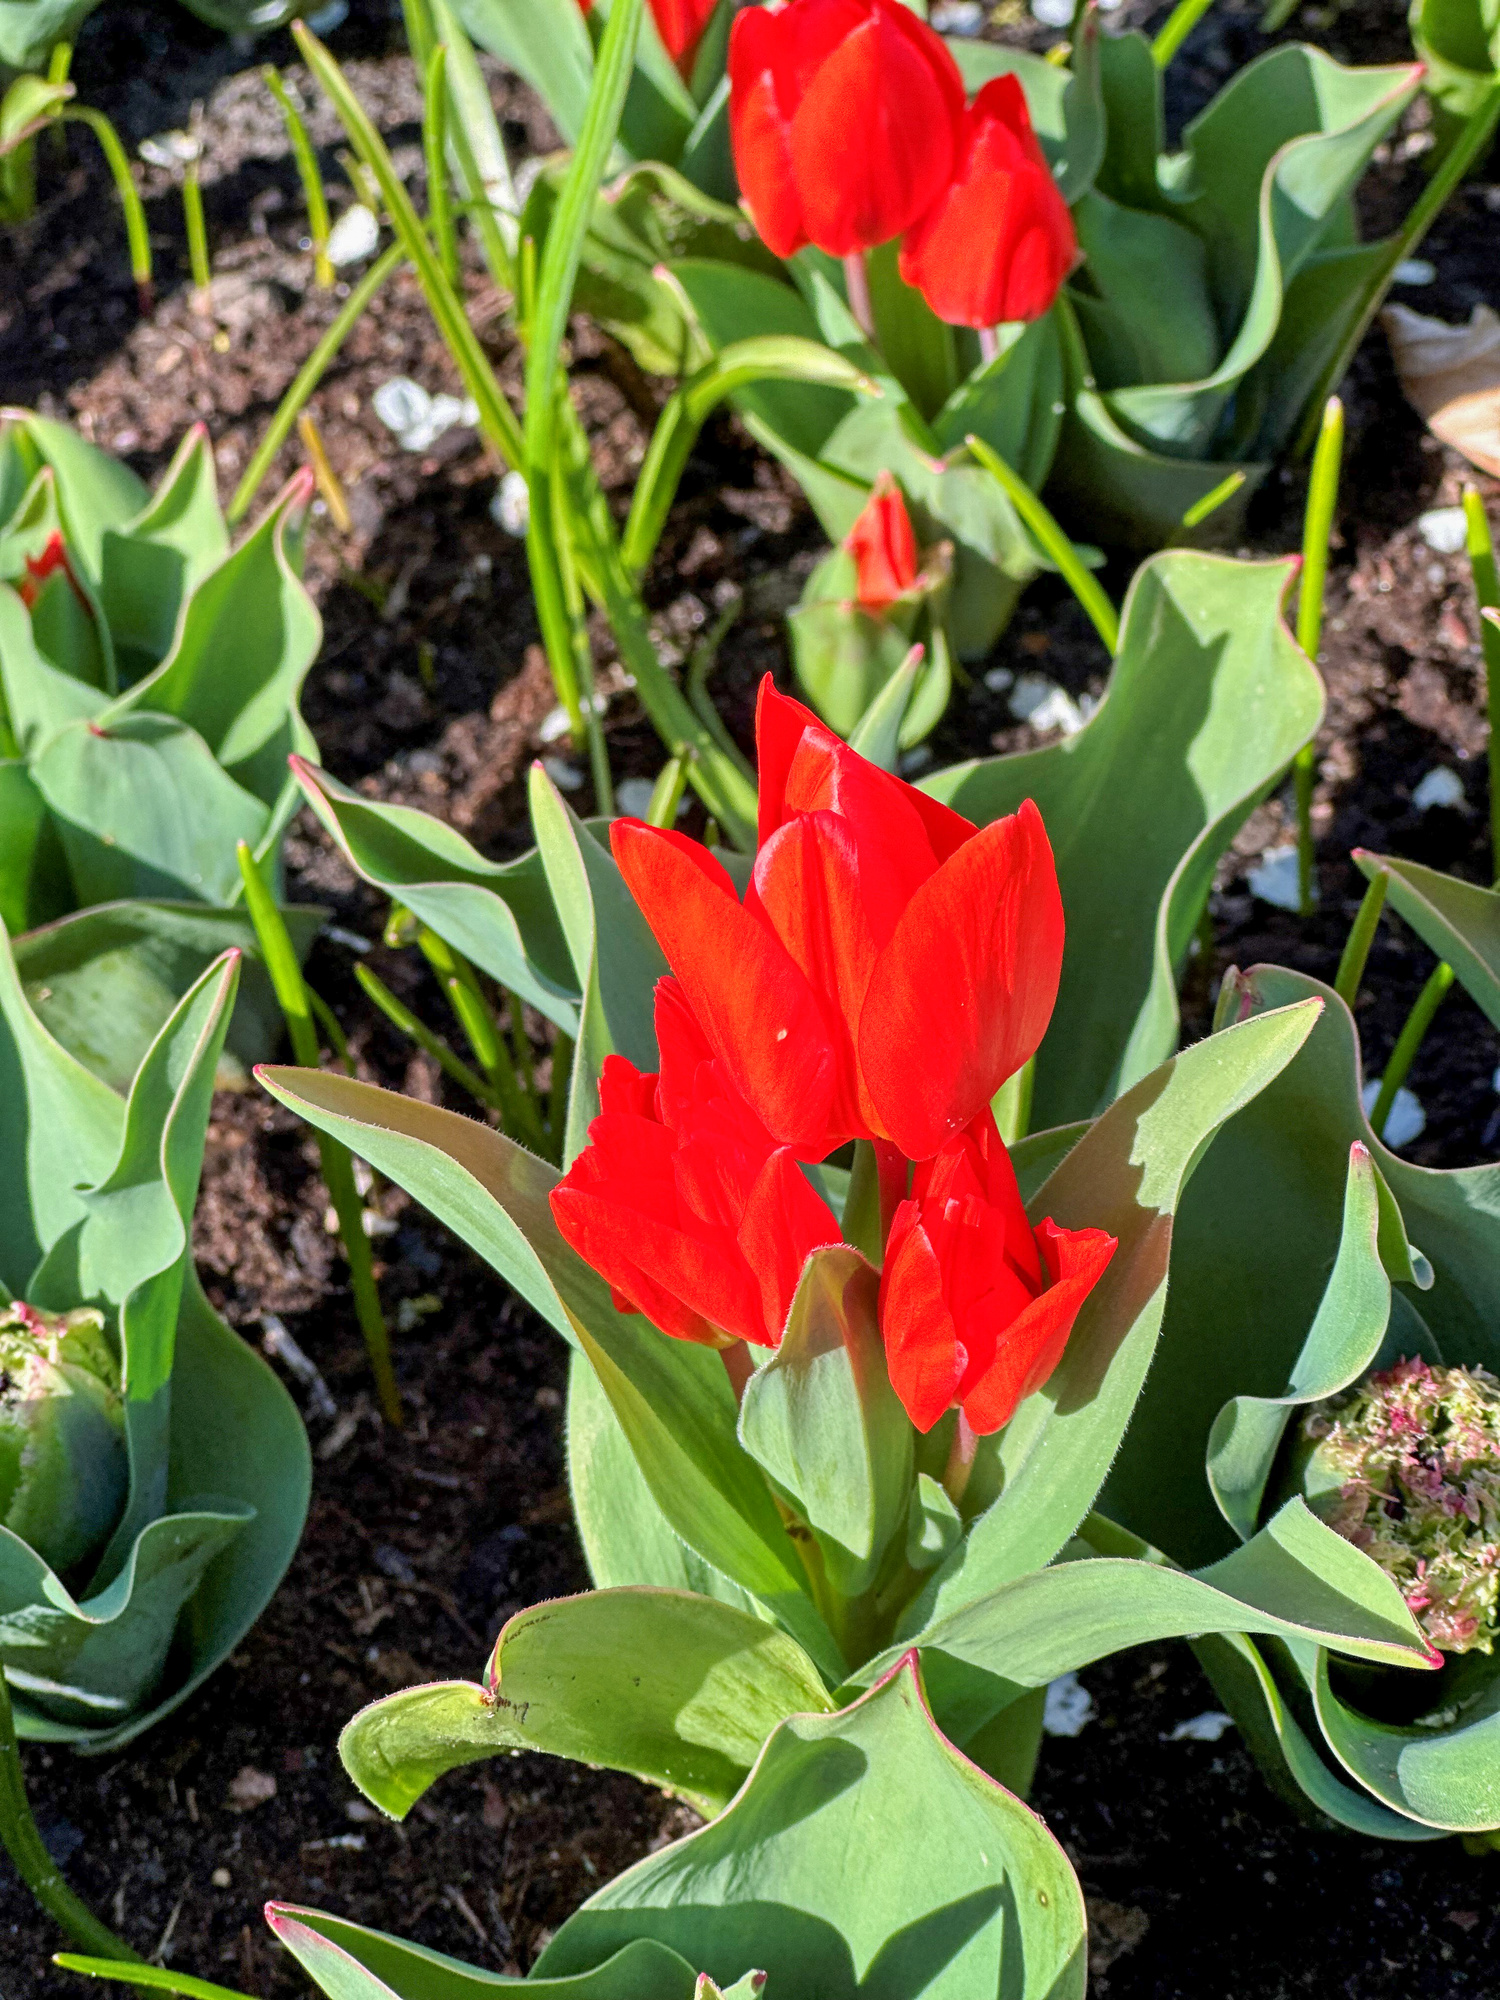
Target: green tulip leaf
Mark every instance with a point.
(678, 1689)
(104, 981)
(500, 915)
(1126, 1174)
(821, 1419)
(155, 562)
(348, 1962)
(984, 1902)
(33, 874)
(143, 809)
(94, 491)
(1456, 919)
(1445, 1775)
(1341, 1344)
(1209, 700)
(147, 1978)
(248, 634)
(672, 1399)
(41, 695)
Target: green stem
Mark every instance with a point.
(308, 378)
(666, 793)
(1179, 24)
(1467, 148)
(338, 1167)
(1487, 594)
(435, 152)
(1356, 951)
(1410, 1039)
(1210, 502)
(58, 64)
(34, 1865)
(313, 192)
(118, 162)
(1090, 594)
(497, 419)
(557, 1094)
(197, 228)
(1317, 530)
(402, 1018)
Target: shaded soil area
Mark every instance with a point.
(431, 690)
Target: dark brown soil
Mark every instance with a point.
(431, 691)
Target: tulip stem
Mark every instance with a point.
(1180, 23)
(335, 1159)
(1410, 1039)
(35, 1866)
(960, 1461)
(1487, 595)
(1361, 936)
(857, 286)
(1317, 528)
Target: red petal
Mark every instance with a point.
(760, 133)
(623, 1089)
(1033, 1344)
(963, 991)
(785, 1221)
(761, 1017)
(923, 1353)
(693, 1289)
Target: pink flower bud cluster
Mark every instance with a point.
(1407, 1467)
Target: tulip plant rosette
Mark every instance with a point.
(153, 1472)
(848, 1369)
(149, 677)
(1357, 1371)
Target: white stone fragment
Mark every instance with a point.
(1440, 787)
(417, 419)
(353, 237)
(567, 777)
(1407, 1120)
(511, 507)
(1443, 529)
(1415, 271)
(1069, 1707)
(1275, 879)
(1205, 1728)
(633, 797)
(1045, 705)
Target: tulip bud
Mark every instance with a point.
(38, 568)
(63, 1465)
(997, 244)
(680, 23)
(863, 609)
(1406, 1466)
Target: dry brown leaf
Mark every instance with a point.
(1451, 377)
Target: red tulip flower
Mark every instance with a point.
(975, 1305)
(998, 244)
(844, 118)
(683, 1202)
(884, 547)
(890, 965)
(38, 568)
(680, 23)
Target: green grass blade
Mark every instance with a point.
(1090, 594)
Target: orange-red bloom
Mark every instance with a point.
(38, 568)
(844, 117)
(883, 546)
(975, 1305)
(680, 23)
(683, 1201)
(998, 243)
(890, 965)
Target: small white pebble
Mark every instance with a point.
(957, 17)
(1205, 1728)
(511, 507)
(1415, 271)
(1069, 1707)
(170, 149)
(567, 777)
(998, 679)
(1053, 13)
(1275, 879)
(554, 725)
(353, 237)
(1045, 705)
(1443, 529)
(1440, 787)
(633, 797)
(1407, 1119)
